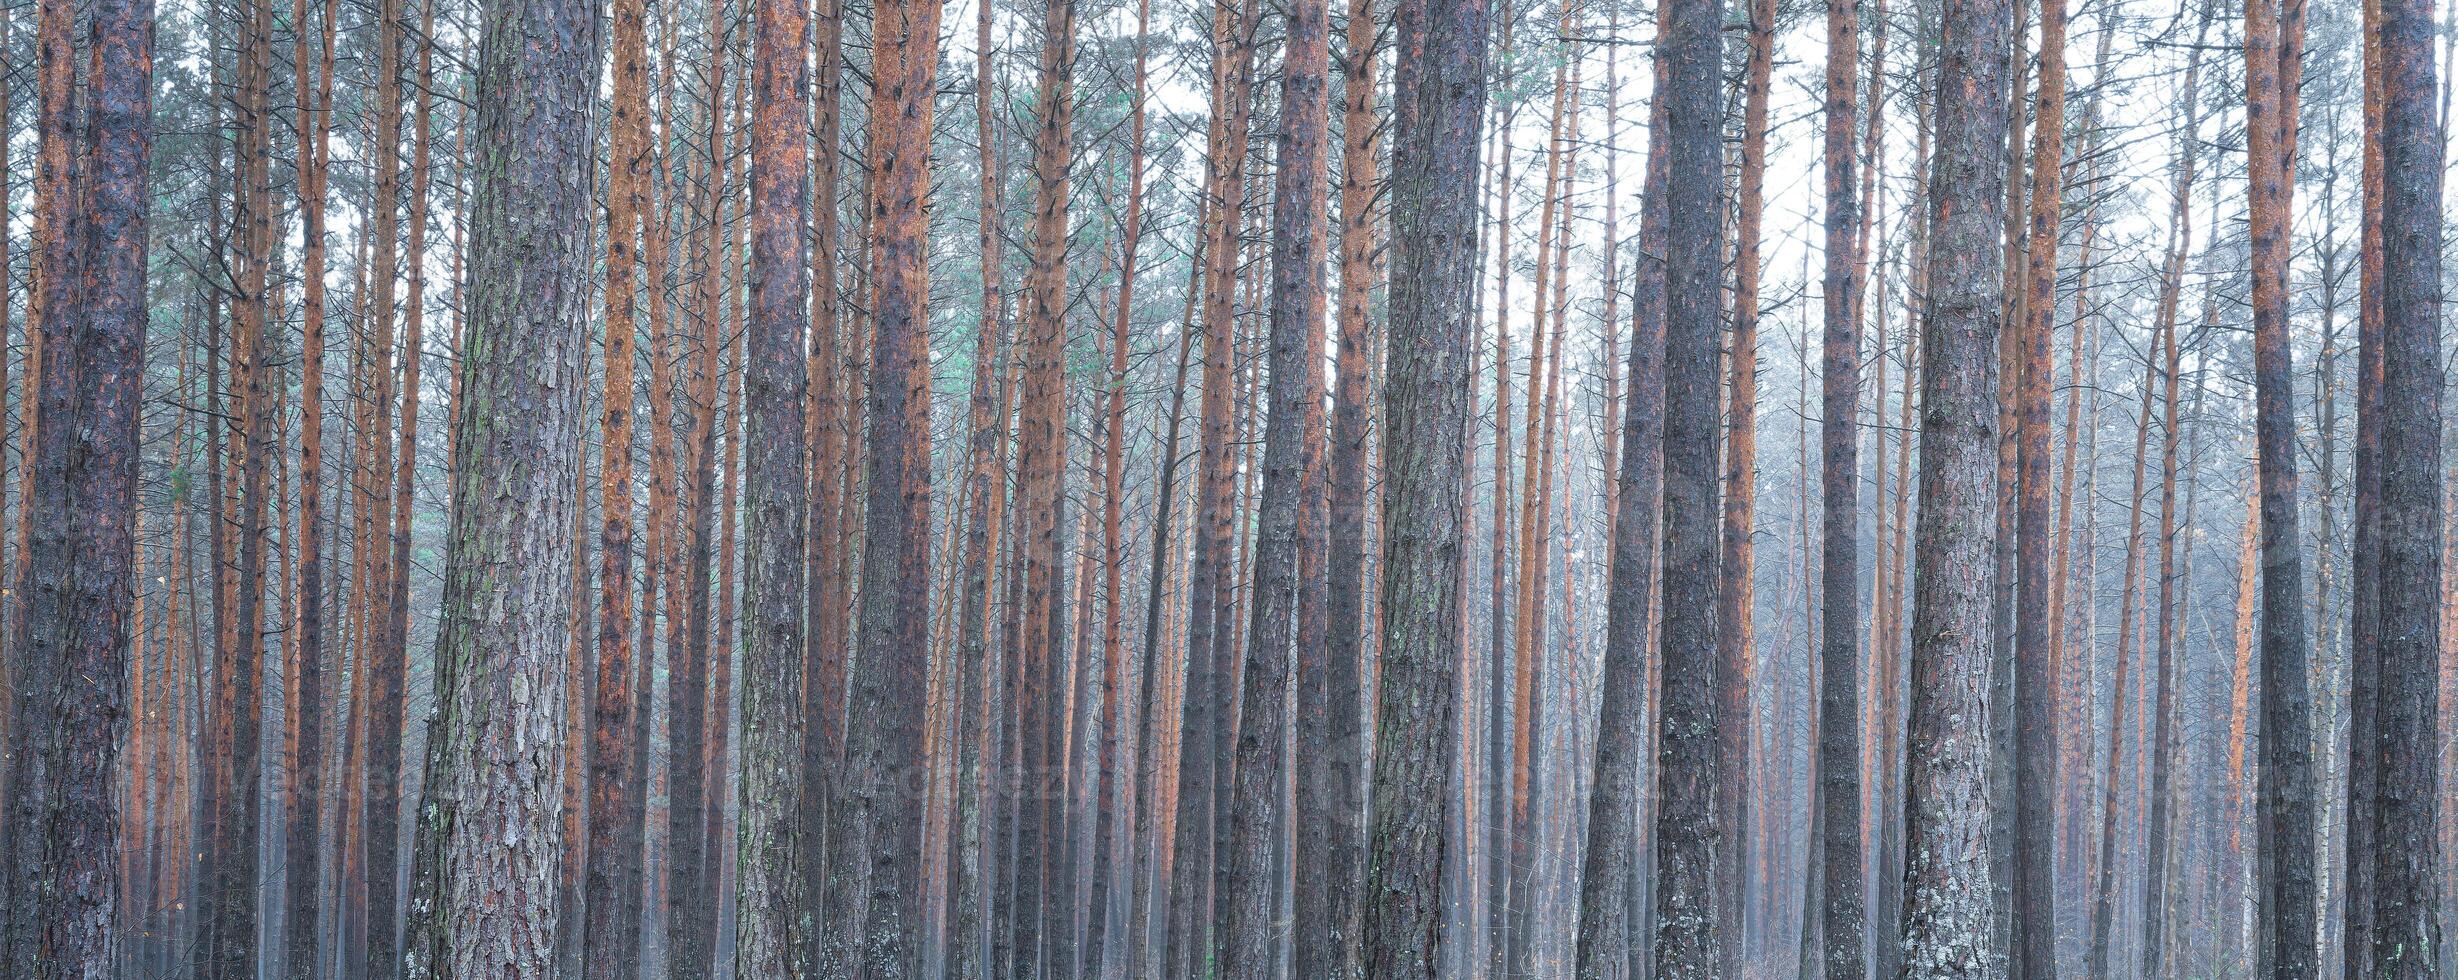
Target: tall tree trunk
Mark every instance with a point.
(2128, 652)
(1330, 817)
(690, 913)
(2076, 673)
(1839, 914)
(1949, 901)
(969, 893)
(1153, 825)
(1889, 672)
(351, 844)
(2157, 836)
(488, 831)
(1041, 466)
(404, 487)
(725, 611)
(658, 579)
(1111, 795)
(2003, 756)
(874, 837)
(1494, 847)
(1614, 925)
(579, 651)
(1203, 764)
(2239, 872)
(389, 651)
(1736, 611)
(70, 652)
(305, 792)
(2034, 952)
(830, 522)
(1691, 755)
(2364, 548)
(1610, 393)
(1495, 844)
(2403, 851)
(1288, 539)
(1439, 92)
(8, 124)
(617, 815)
(234, 930)
(57, 149)
(1516, 853)
(771, 907)
(2285, 946)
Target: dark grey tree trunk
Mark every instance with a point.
(233, 921)
(1689, 754)
(689, 915)
(1613, 924)
(1288, 537)
(1149, 900)
(1439, 101)
(2284, 891)
(1203, 742)
(872, 918)
(490, 825)
(1045, 904)
(1839, 916)
(773, 912)
(1331, 709)
(2364, 548)
(1948, 915)
(2034, 711)
(2406, 934)
(68, 674)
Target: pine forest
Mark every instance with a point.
(1228, 490)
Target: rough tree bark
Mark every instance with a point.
(229, 950)
(1613, 925)
(1110, 794)
(617, 815)
(984, 496)
(2034, 952)
(657, 553)
(1948, 902)
(829, 523)
(304, 794)
(1690, 754)
(2403, 847)
(482, 900)
(1840, 913)
(1736, 602)
(1439, 101)
(1041, 467)
(773, 912)
(2364, 546)
(1287, 538)
(1331, 810)
(690, 917)
(1204, 747)
(389, 671)
(71, 649)
(7, 122)
(874, 890)
(2285, 947)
